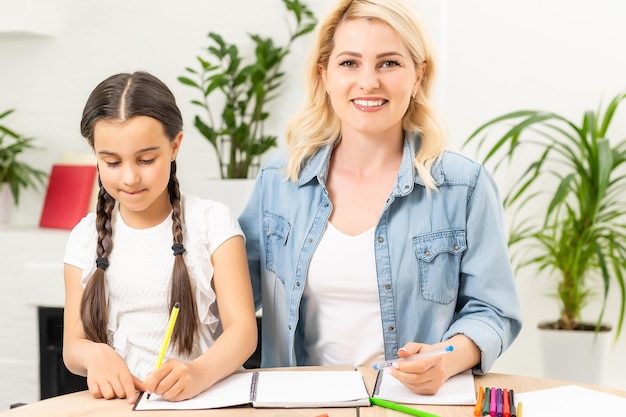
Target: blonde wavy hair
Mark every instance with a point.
(317, 125)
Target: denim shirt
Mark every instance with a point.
(441, 256)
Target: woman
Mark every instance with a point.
(369, 241)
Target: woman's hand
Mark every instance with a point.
(108, 376)
(426, 375)
(175, 380)
(422, 375)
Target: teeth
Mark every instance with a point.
(369, 103)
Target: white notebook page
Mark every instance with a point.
(458, 390)
(570, 401)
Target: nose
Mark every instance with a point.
(368, 79)
(131, 174)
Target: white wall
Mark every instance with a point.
(559, 55)
(495, 56)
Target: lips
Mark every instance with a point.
(132, 192)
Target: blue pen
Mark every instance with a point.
(433, 352)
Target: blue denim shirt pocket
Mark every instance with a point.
(439, 259)
(277, 230)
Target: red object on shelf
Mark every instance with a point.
(69, 193)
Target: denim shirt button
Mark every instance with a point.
(391, 328)
(381, 239)
(387, 286)
(456, 247)
(297, 283)
(427, 253)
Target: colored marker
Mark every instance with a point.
(492, 402)
(486, 402)
(506, 406)
(512, 400)
(479, 402)
(430, 353)
(499, 402)
(399, 407)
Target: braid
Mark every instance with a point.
(93, 307)
(182, 290)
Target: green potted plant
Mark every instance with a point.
(238, 134)
(15, 174)
(568, 212)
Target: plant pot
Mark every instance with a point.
(576, 355)
(6, 204)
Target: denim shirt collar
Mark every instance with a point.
(317, 166)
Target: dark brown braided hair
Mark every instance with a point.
(122, 97)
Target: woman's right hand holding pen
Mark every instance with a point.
(422, 375)
(426, 375)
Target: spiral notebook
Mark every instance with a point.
(273, 389)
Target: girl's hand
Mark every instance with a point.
(108, 376)
(175, 380)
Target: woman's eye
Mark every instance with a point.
(112, 164)
(387, 64)
(146, 161)
(348, 64)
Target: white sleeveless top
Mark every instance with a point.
(139, 275)
(340, 304)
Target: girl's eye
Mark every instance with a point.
(146, 161)
(112, 164)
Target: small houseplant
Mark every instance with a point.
(568, 206)
(238, 134)
(17, 175)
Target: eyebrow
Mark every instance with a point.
(148, 149)
(381, 55)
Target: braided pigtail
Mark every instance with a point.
(93, 306)
(182, 289)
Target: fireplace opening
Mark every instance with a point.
(54, 378)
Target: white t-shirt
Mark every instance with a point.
(139, 275)
(340, 304)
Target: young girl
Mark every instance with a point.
(147, 248)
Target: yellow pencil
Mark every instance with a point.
(519, 409)
(166, 339)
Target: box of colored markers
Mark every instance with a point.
(497, 402)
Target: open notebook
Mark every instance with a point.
(273, 389)
(458, 390)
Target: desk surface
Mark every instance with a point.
(81, 404)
